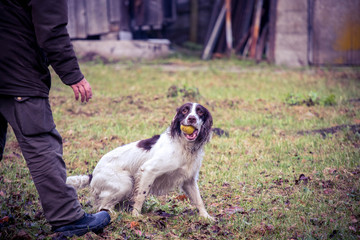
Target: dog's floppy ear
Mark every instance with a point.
(175, 124)
(177, 113)
(205, 133)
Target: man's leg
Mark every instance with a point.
(41, 145)
(43, 154)
(31, 120)
(3, 129)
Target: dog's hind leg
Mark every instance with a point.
(107, 193)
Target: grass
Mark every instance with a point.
(264, 180)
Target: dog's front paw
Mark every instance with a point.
(208, 217)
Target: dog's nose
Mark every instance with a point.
(191, 120)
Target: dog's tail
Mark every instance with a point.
(80, 181)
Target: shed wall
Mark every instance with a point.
(291, 39)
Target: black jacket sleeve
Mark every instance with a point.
(50, 19)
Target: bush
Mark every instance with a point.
(311, 99)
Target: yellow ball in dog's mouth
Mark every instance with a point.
(187, 129)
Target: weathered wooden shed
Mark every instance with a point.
(284, 32)
(293, 33)
(107, 19)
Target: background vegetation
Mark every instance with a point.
(283, 163)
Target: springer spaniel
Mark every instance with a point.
(153, 166)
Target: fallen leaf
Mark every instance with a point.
(234, 209)
(330, 171)
(70, 132)
(182, 197)
(7, 180)
(134, 224)
(269, 227)
(327, 191)
(352, 228)
(353, 219)
(4, 219)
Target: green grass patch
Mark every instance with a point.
(272, 176)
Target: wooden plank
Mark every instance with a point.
(193, 20)
(155, 14)
(242, 41)
(77, 21)
(71, 27)
(229, 37)
(124, 16)
(241, 19)
(214, 35)
(220, 45)
(238, 8)
(114, 10)
(247, 47)
(97, 17)
(248, 14)
(114, 19)
(270, 53)
(256, 28)
(261, 44)
(81, 23)
(139, 13)
(214, 14)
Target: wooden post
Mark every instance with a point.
(193, 20)
(214, 35)
(229, 38)
(270, 53)
(262, 41)
(256, 29)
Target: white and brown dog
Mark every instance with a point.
(153, 166)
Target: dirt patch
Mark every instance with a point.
(324, 131)
(94, 57)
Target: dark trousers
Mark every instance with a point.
(41, 145)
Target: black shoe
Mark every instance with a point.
(89, 222)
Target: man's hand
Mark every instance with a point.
(83, 87)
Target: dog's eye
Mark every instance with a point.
(200, 112)
(185, 111)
